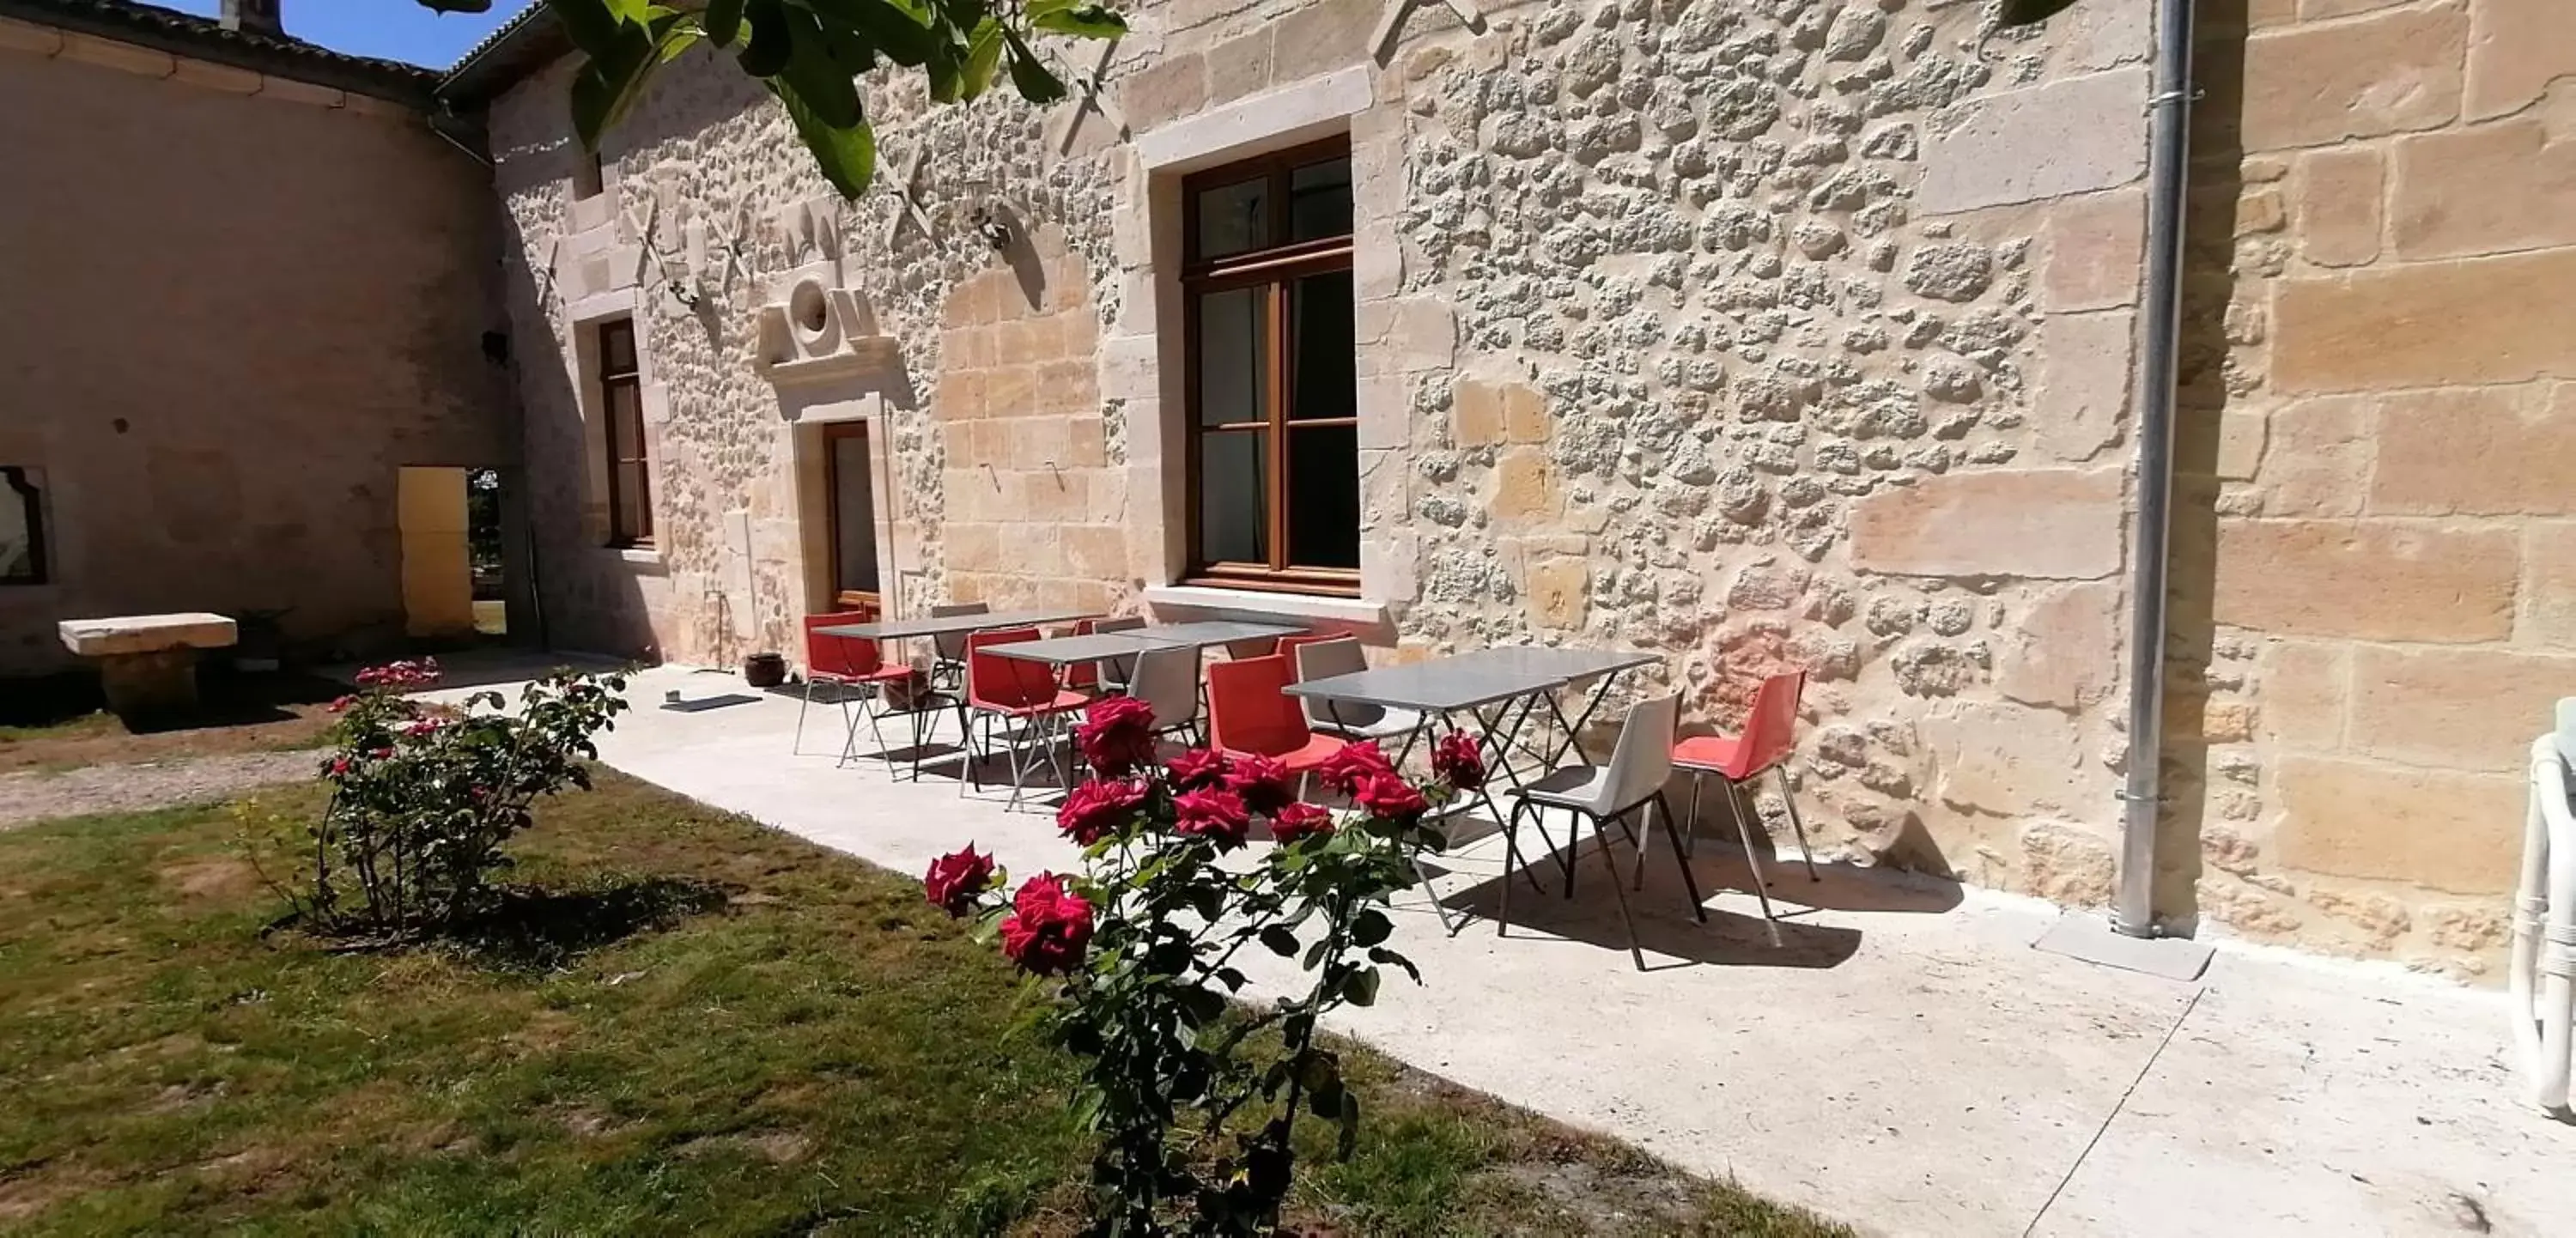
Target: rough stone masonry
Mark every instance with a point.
(1760, 333)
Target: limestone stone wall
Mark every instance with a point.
(1756, 334)
(233, 306)
(2373, 611)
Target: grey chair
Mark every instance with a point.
(1116, 672)
(948, 649)
(1349, 719)
(1631, 784)
(1167, 679)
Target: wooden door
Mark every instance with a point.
(854, 518)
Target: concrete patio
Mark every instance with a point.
(1905, 1062)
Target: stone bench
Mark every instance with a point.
(148, 663)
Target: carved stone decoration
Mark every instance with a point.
(817, 331)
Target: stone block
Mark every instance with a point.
(150, 689)
(1096, 552)
(2083, 396)
(2444, 829)
(2319, 458)
(2486, 189)
(1559, 592)
(2473, 709)
(1163, 90)
(2367, 579)
(1322, 37)
(1524, 487)
(2044, 524)
(2093, 249)
(2070, 136)
(2490, 451)
(2005, 759)
(2300, 692)
(124, 634)
(2240, 444)
(2476, 321)
(1240, 66)
(2321, 10)
(2516, 49)
(2065, 652)
(2548, 586)
(1476, 413)
(2339, 205)
(1525, 416)
(2314, 85)
(1422, 335)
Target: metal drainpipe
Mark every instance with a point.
(2159, 335)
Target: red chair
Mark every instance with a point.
(1248, 713)
(1770, 735)
(1287, 647)
(1084, 676)
(1001, 689)
(851, 664)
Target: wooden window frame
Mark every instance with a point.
(631, 380)
(30, 498)
(1275, 266)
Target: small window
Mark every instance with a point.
(586, 179)
(1273, 373)
(630, 492)
(22, 528)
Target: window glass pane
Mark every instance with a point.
(17, 527)
(634, 502)
(1234, 356)
(625, 422)
(1325, 380)
(1234, 507)
(1323, 490)
(1234, 218)
(617, 348)
(854, 522)
(1319, 200)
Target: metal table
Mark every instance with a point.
(1214, 631)
(936, 626)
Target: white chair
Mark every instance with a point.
(2543, 979)
(1349, 719)
(1115, 672)
(1633, 782)
(1167, 679)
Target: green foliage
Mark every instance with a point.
(810, 53)
(422, 800)
(2025, 12)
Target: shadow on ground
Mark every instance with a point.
(541, 928)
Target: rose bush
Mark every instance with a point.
(423, 797)
(1193, 1101)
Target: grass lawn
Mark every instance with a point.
(717, 1028)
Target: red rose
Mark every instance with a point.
(1299, 820)
(1116, 735)
(380, 753)
(342, 703)
(1048, 926)
(955, 879)
(1198, 767)
(1213, 813)
(1389, 797)
(1099, 808)
(1262, 781)
(339, 765)
(1354, 765)
(1459, 761)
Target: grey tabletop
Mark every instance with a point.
(895, 629)
(1066, 650)
(1214, 631)
(1467, 680)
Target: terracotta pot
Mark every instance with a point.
(764, 670)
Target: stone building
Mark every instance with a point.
(1759, 333)
(244, 295)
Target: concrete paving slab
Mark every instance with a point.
(1905, 1062)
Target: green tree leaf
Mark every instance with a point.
(1087, 21)
(983, 55)
(1371, 927)
(724, 21)
(771, 40)
(1361, 988)
(1030, 76)
(847, 157)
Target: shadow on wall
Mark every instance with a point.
(2208, 291)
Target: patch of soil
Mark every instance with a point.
(775, 1147)
(28, 797)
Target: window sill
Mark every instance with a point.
(1354, 611)
(646, 557)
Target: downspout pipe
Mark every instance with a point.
(2158, 349)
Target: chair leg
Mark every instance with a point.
(1690, 826)
(1574, 851)
(1680, 860)
(1809, 853)
(1744, 830)
(794, 746)
(1511, 860)
(1637, 843)
(1601, 826)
